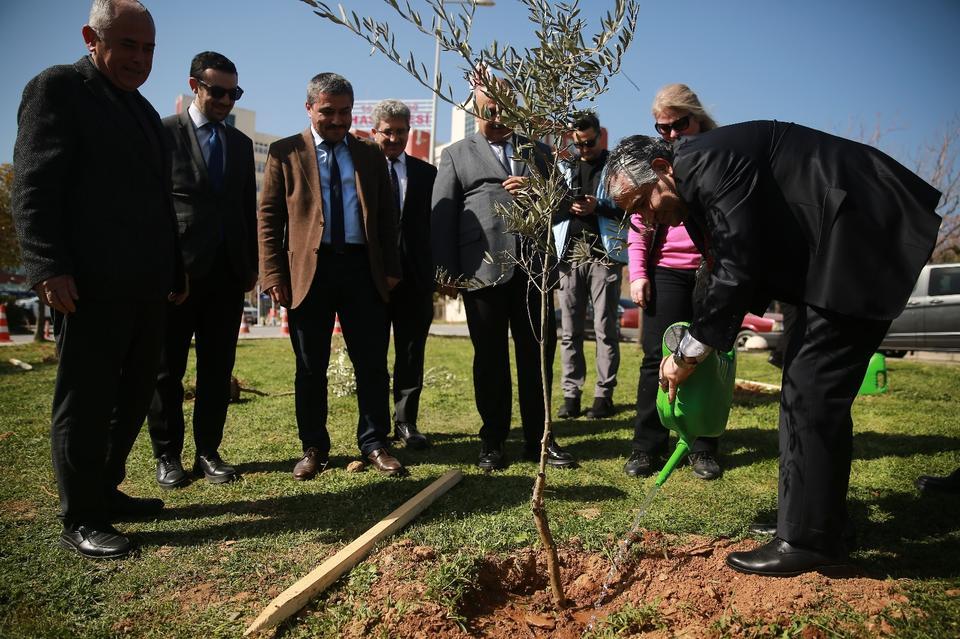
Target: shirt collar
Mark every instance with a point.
(196, 115)
(318, 140)
(401, 159)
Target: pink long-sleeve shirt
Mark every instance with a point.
(677, 250)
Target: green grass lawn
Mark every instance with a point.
(219, 554)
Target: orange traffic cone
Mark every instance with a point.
(336, 325)
(4, 330)
(244, 329)
(47, 330)
(272, 317)
(284, 326)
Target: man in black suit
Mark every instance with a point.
(475, 174)
(782, 211)
(215, 198)
(91, 201)
(411, 302)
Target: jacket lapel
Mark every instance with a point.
(308, 164)
(487, 157)
(189, 136)
(358, 170)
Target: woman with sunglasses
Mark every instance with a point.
(663, 263)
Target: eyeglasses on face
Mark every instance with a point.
(392, 133)
(680, 125)
(586, 144)
(217, 92)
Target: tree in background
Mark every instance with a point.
(540, 92)
(937, 163)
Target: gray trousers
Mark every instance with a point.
(598, 285)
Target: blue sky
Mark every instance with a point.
(837, 66)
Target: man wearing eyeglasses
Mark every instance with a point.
(410, 309)
(595, 220)
(328, 246)
(838, 228)
(215, 198)
(91, 203)
(475, 175)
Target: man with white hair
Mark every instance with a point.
(785, 212)
(91, 202)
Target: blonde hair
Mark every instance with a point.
(682, 98)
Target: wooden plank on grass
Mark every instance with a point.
(296, 596)
(749, 385)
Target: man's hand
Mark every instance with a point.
(514, 183)
(280, 294)
(586, 206)
(392, 282)
(671, 376)
(180, 298)
(59, 293)
(640, 292)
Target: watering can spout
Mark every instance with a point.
(675, 458)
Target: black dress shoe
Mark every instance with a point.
(704, 465)
(214, 469)
(119, 505)
(777, 558)
(96, 541)
(602, 408)
(410, 436)
(640, 464)
(571, 408)
(931, 484)
(491, 457)
(557, 457)
(170, 473)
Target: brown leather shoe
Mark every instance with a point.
(311, 464)
(386, 463)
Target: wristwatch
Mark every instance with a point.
(690, 351)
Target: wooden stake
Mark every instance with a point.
(296, 596)
(746, 384)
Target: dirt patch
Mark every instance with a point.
(18, 510)
(668, 587)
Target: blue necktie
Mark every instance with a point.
(337, 233)
(215, 158)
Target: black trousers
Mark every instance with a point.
(343, 286)
(212, 313)
(671, 300)
(491, 312)
(410, 313)
(109, 353)
(824, 365)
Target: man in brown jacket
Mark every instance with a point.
(328, 245)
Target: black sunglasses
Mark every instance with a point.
(681, 125)
(586, 144)
(218, 92)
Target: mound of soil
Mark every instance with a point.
(681, 587)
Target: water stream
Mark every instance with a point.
(623, 548)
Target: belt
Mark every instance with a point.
(348, 249)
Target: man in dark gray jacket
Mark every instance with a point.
(91, 202)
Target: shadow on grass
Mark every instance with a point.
(344, 514)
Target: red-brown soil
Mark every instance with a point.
(683, 584)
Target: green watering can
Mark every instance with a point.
(703, 401)
(875, 381)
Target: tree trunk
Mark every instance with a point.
(38, 331)
(539, 485)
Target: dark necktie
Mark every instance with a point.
(395, 183)
(337, 233)
(215, 158)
